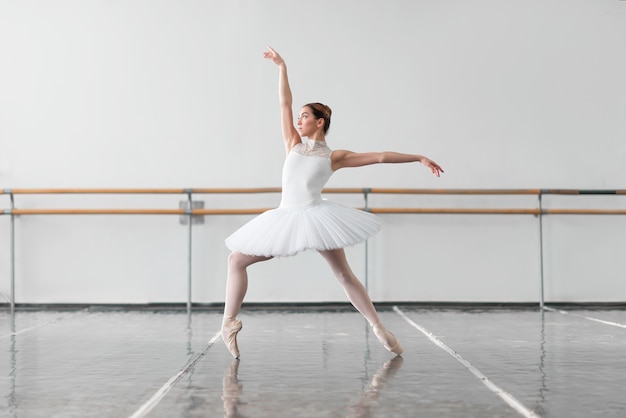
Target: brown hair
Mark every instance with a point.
(321, 111)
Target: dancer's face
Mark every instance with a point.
(307, 124)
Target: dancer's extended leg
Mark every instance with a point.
(236, 287)
(359, 298)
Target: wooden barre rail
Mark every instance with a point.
(489, 211)
(462, 211)
(135, 211)
(92, 191)
(151, 191)
(329, 190)
(456, 191)
(364, 191)
(98, 212)
(253, 211)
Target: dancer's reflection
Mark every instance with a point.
(362, 409)
(232, 391)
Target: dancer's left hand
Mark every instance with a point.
(434, 167)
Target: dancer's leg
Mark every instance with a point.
(351, 285)
(236, 288)
(359, 298)
(237, 281)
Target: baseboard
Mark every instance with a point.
(308, 306)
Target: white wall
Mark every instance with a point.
(504, 94)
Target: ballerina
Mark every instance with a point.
(305, 221)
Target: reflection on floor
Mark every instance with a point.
(313, 363)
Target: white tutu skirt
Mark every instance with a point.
(286, 231)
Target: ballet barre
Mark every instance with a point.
(256, 211)
(539, 211)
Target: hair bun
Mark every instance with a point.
(320, 110)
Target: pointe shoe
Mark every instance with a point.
(387, 339)
(229, 335)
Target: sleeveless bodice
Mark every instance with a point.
(306, 171)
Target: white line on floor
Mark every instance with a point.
(156, 398)
(615, 324)
(37, 326)
(506, 397)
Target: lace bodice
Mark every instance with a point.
(312, 148)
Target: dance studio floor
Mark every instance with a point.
(313, 363)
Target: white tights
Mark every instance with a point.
(237, 283)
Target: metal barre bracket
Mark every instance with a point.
(195, 219)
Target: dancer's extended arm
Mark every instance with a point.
(345, 159)
(290, 134)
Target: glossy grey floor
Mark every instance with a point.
(316, 363)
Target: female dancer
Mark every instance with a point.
(305, 221)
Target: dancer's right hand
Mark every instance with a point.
(274, 56)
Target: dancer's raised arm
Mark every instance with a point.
(290, 134)
(344, 159)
